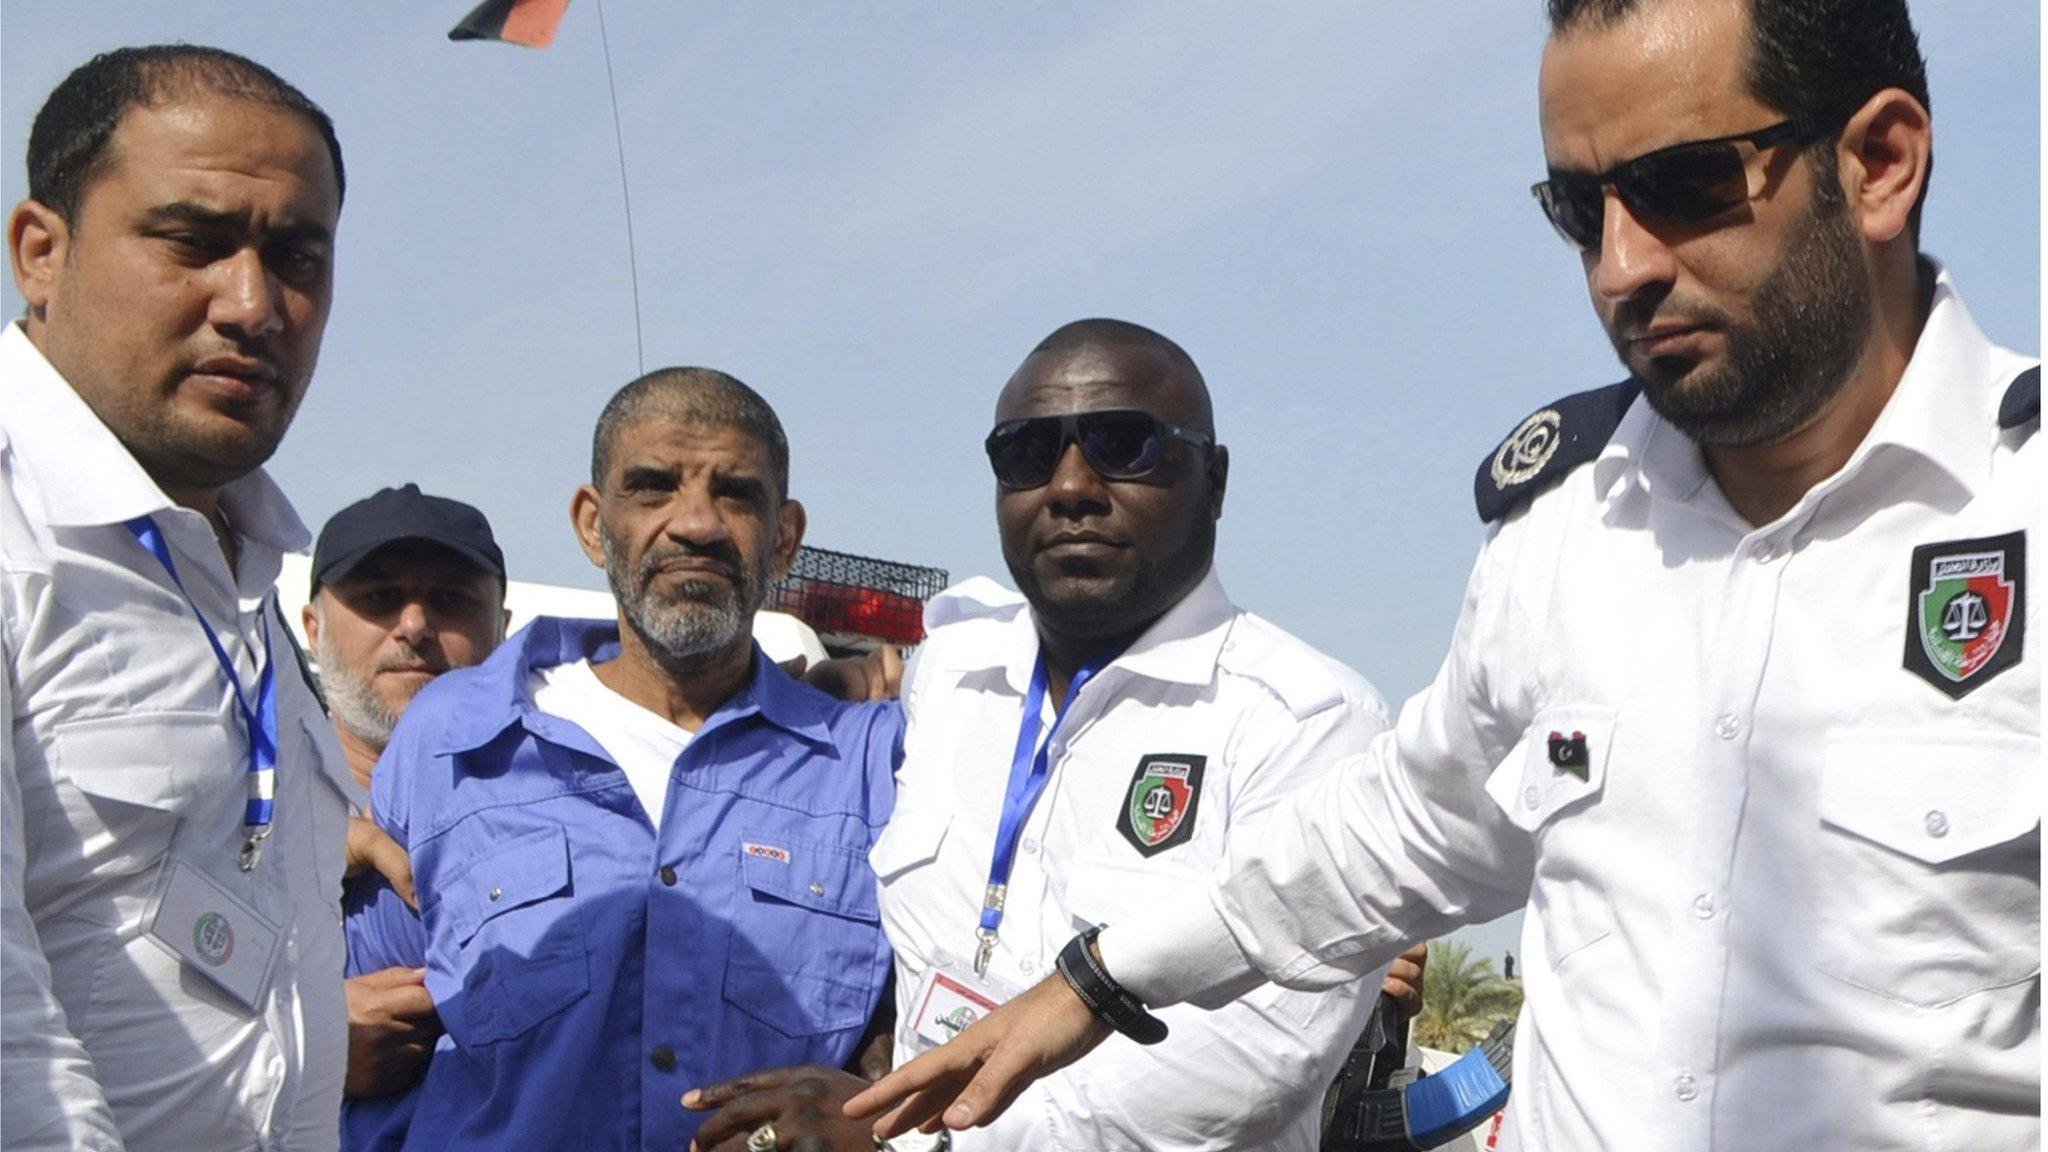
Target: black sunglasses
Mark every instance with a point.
(1689, 183)
(1120, 444)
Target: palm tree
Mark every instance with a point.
(1462, 999)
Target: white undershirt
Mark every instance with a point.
(642, 744)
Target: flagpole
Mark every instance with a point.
(625, 197)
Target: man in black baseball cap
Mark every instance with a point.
(405, 587)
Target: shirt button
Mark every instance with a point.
(668, 875)
(1703, 906)
(1030, 847)
(1937, 823)
(663, 1059)
(817, 889)
(1728, 727)
(1532, 797)
(1028, 965)
(1764, 554)
(496, 892)
(1686, 1088)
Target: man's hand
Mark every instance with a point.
(971, 1079)
(1404, 980)
(804, 1104)
(858, 679)
(392, 1027)
(370, 847)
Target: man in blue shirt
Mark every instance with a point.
(640, 848)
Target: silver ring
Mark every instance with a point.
(763, 1139)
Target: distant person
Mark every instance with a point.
(176, 254)
(1741, 701)
(640, 847)
(1085, 748)
(405, 586)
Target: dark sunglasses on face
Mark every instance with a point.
(1689, 183)
(1120, 444)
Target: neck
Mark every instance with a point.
(206, 502)
(685, 692)
(1066, 654)
(362, 754)
(1763, 481)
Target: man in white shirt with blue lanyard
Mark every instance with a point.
(174, 802)
(1083, 749)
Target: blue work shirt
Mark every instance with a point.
(589, 969)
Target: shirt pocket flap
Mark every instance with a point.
(912, 838)
(161, 760)
(809, 874)
(521, 871)
(1932, 795)
(1561, 761)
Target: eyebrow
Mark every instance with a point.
(200, 216)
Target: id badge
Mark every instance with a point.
(225, 924)
(949, 998)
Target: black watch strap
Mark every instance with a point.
(1110, 1002)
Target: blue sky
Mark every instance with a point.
(871, 209)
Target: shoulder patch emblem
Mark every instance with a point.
(1159, 810)
(1966, 611)
(1523, 454)
(2022, 400)
(1547, 444)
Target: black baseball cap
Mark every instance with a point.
(396, 514)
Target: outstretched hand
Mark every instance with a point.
(972, 1079)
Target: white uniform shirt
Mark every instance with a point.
(1266, 714)
(1794, 902)
(119, 725)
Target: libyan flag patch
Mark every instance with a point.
(1159, 810)
(1966, 614)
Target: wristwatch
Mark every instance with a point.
(1111, 1002)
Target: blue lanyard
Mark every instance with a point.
(1030, 767)
(260, 720)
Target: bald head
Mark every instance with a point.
(1096, 364)
(691, 396)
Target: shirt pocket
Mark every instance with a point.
(1931, 846)
(1553, 775)
(507, 948)
(805, 955)
(910, 841)
(137, 775)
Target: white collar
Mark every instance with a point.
(1180, 647)
(1944, 409)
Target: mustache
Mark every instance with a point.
(724, 559)
(433, 662)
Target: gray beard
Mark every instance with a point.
(351, 700)
(707, 618)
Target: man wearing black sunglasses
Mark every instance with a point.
(1084, 750)
(1741, 700)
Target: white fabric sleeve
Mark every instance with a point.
(1399, 844)
(1246, 1074)
(50, 1097)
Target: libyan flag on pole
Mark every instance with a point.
(528, 22)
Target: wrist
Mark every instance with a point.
(1080, 963)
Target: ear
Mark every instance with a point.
(583, 508)
(1219, 479)
(39, 243)
(309, 619)
(1887, 149)
(789, 535)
